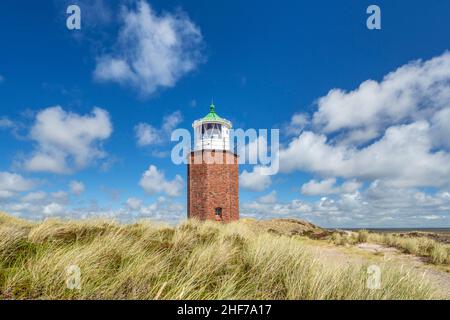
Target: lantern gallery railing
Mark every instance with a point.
(214, 144)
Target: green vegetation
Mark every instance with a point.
(349, 238)
(191, 261)
(438, 253)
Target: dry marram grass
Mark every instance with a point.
(191, 261)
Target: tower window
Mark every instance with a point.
(211, 130)
(219, 212)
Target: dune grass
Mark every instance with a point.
(191, 261)
(349, 238)
(438, 253)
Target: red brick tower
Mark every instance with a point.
(213, 171)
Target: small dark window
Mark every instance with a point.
(219, 212)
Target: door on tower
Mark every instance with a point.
(218, 213)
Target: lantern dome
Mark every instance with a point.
(212, 132)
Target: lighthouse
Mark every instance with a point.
(213, 171)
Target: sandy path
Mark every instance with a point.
(368, 252)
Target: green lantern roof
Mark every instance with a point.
(212, 116)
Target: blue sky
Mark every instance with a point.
(71, 100)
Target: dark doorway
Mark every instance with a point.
(218, 212)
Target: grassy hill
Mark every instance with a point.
(249, 259)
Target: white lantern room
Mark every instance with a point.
(212, 132)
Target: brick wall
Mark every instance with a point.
(213, 182)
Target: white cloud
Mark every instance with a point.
(254, 150)
(328, 186)
(40, 205)
(350, 186)
(440, 128)
(53, 209)
(404, 157)
(154, 181)
(147, 134)
(257, 180)
(410, 93)
(76, 187)
(37, 196)
(43, 198)
(134, 203)
(60, 197)
(391, 135)
(396, 130)
(323, 187)
(162, 210)
(2, 78)
(67, 141)
(297, 124)
(380, 205)
(268, 198)
(432, 217)
(12, 183)
(152, 50)
(6, 123)
(37, 205)
(294, 208)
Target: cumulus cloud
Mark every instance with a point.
(147, 134)
(37, 205)
(314, 187)
(395, 130)
(254, 150)
(379, 205)
(268, 198)
(6, 123)
(162, 209)
(152, 50)
(67, 141)
(404, 157)
(34, 197)
(256, 180)
(299, 121)
(294, 208)
(440, 128)
(76, 187)
(391, 136)
(12, 183)
(328, 186)
(53, 209)
(154, 181)
(410, 93)
(41, 205)
(44, 198)
(134, 203)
